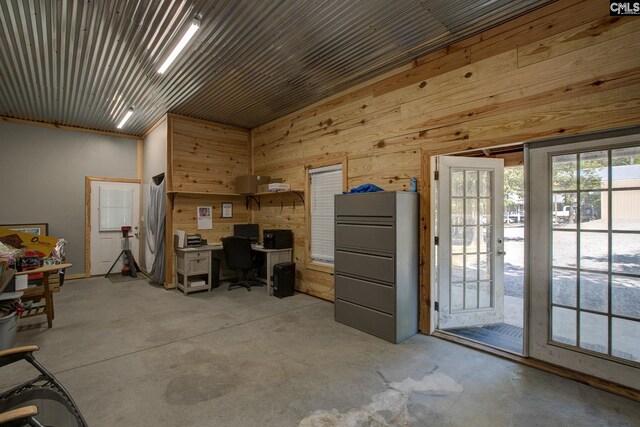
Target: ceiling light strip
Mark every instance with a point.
(181, 45)
(125, 118)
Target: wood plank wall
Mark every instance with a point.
(204, 157)
(566, 68)
(207, 156)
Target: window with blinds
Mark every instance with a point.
(324, 183)
(116, 208)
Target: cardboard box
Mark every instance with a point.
(34, 242)
(273, 187)
(248, 184)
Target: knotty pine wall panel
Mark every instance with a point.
(207, 156)
(185, 215)
(563, 69)
(204, 157)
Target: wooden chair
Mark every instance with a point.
(39, 292)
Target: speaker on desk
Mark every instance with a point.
(284, 279)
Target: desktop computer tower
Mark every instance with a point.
(284, 279)
(277, 239)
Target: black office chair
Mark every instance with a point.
(239, 257)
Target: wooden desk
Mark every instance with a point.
(35, 293)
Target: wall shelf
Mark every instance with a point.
(173, 194)
(204, 193)
(256, 197)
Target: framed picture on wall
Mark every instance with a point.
(227, 210)
(39, 229)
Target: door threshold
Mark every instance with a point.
(580, 377)
(455, 337)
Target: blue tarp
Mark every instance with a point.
(365, 188)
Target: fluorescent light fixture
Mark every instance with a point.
(125, 118)
(183, 42)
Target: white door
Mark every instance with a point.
(470, 241)
(113, 204)
(585, 267)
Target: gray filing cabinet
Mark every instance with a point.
(376, 263)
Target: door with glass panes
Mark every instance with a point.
(584, 257)
(470, 242)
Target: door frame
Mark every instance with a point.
(428, 293)
(87, 213)
(426, 311)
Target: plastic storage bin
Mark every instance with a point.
(8, 328)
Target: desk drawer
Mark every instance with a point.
(198, 265)
(369, 294)
(375, 267)
(381, 237)
(382, 204)
(371, 321)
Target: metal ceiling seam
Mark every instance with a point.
(182, 73)
(98, 68)
(136, 84)
(245, 52)
(18, 64)
(70, 60)
(5, 64)
(37, 65)
(248, 76)
(146, 87)
(125, 45)
(108, 65)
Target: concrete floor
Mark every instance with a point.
(134, 355)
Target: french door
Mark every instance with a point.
(470, 241)
(584, 257)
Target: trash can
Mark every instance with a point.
(284, 279)
(8, 329)
(215, 272)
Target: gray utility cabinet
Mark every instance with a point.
(376, 263)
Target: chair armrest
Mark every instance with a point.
(18, 350)
(19, 414)
(15, 354)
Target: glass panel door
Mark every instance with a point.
(585, 205)
(471, 246)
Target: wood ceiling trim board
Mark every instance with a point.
(68, 128)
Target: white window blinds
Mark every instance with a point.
(325, 183)
(116, 208)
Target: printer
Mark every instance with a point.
(277, 239)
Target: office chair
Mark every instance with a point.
(238, 255)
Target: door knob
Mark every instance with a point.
(501, 252)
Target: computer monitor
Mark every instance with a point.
(251, 231)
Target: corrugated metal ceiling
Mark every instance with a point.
(85, 63)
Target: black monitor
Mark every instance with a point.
(247, 230)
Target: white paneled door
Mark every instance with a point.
(113, 205)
